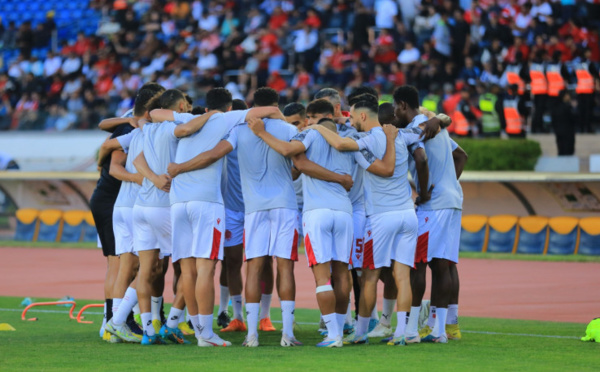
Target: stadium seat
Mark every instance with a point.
(503, 233)
(533, 234)
(474, 231)
(50, 225)
(27, 224)
(72, 226)
(563, 235)
(589, 236)
(89, 228)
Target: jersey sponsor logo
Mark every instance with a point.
(218, 221)
(369, 233)
(426, 219)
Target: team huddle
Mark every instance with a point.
(237, 184)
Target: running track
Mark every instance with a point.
(552, 291)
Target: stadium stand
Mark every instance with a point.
(27, 224)
(533, 231)
(474, 234)
(50, 225)
(73, 228)
(589, 238)
(503, 233)
(563, 236)
(89, 228)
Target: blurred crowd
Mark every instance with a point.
(460, 54)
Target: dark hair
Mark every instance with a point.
(189, 99)
(152, 86)
(366, 101)
(143, 101)
(324, 120)
(320, 106)
(169, 98)
(266, 96)
(408, 94)
(293, 109)
(386, 113)
(364, 89)
(218, 99)
(329, 93)
(198, 110)
(361, 97)
(239, 104)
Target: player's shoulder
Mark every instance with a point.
(121, 129)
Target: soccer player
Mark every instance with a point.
(439, 216)
(198, 213)
(295, 114)
(391, 220)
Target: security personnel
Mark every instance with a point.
(432, 100)
(511, 113)
(490, 119)
(463, 116)
(539, 90)
(512, 75)
(586, 73)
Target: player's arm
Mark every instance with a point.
(118, 171)
(287, 149)
(107, 147)
(460, 159)
(160, 115)
(162, 182)
(422, 167)
(432, 126)
(334, 139)
(109, 125)
(386, 166)
(192, 126)
(202, 160)
(264, 112)
(314, 170)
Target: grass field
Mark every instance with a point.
(56, 343)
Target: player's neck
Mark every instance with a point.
(370, 124)
(412, 114)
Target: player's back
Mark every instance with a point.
(160, 145)
(129, 190)
(319, 194)
(265, 174)
(232, 184)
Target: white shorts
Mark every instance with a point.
(390, 236)
(273, 232)
(123, 230)
(199, 228)
(327, 236)
(234, 234)
(359, 219)
(439, 234)
(152, 229)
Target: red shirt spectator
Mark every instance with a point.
(276, 82)
(103, 85)
(313, 19)
(278, 19)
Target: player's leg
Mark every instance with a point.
(452, 328)
(234, 255)
(170, 329)
(146, 277)
(188, 278)
(223, 316)
(267, 285)
(390, 292)
(343, 236)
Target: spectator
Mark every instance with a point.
(25, 39)
(385, 13)
(409, 55)
(442, 38)
(71, 64)
(208, 21)
(9, 38)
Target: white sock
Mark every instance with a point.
(103, 322)
(195, 325)
(440, 322)
(388, 310)
(349, 319)
(174, 316)
(252, 318)
(136, 309)
(362, 326)
(237, 303)
(287, 316)
(187, 315)
(341, 319)
(155, 306)
(374, 313)
(147, 323)
(401, 326)
(265, 306)
(224, 300)
(452, 314)
(331, 323)
(116, 303)
(431, 319)
(412, 327)
(129, 301)
(205, 323)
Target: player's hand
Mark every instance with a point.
(445, 119)
(431, 129)
(163, 182)
(426, 112)
(256, 125)
(340, 120)
(138, 178)
(313, 126)
(346, 181)
(173, 170)
(424, 197)
(390, 131)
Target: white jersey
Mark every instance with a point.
(447, 193)
(159, 147)
(133, 144)
(232, 184)
(203, 184)
(298, 190)
(265, 174)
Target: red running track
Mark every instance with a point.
(552, 291)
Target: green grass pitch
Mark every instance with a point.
(56, 343)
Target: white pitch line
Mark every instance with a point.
(314, 324)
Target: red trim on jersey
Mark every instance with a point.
(216, 243)
(244, 243)
(309, 251)
(422, 248)
(368, 262)
(294, 256)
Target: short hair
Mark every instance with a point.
(386, 113)
(408, 94)
(328, 123)
(218, 99)
(144, 100)
(366, 101)
(362, 97)
(320, 106)
(169, 98)
(198, 110)
(154, 87)
(189, 99)
(238, 104)
(293, 109)
(330, 93)
(266, 96)
(363, 89)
